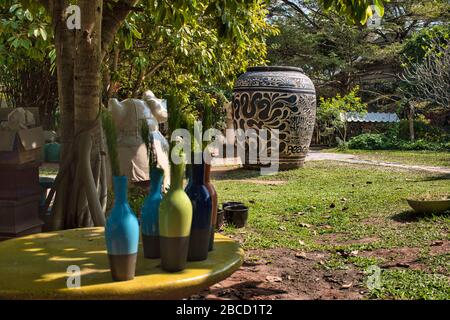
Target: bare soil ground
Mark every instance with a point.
(286, 274)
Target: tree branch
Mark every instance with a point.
(114, 14)
(47, 4)
(297, 8)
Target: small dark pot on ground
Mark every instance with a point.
(220, 218)
(231, 203)
(237, 215)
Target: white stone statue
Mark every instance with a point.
(127, 115)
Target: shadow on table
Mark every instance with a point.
(47, 259)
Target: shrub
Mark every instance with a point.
(378, 141)
(369, 141)
(446, 146)
(422, 131)
(420, 145)
(397, 137)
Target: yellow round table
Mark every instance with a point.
(36, 267)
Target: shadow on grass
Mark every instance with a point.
(245, 290)
(235, 174)
(412, 216)
(439, 177)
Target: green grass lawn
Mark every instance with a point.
(427, 158)
(336, 207)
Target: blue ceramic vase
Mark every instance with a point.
(150, 215)
(122, 234)
(201, 214)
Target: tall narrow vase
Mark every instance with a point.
(213, 194)
(122, 234)
(175, 220)
(188, 175)
(201, 218)
(150, 215)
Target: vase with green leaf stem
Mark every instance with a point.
(208, 124)
(150, 208)
(201, 204)
(175, 212)
(122, 226)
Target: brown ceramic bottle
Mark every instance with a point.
(213, 194)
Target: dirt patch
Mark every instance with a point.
(287, 274)
(294, 275)
(407, 257)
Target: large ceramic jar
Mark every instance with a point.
(280, 98)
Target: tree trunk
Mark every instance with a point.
(81, 186)
(77, 202)
(411, 122)
(65, 49)
(87, 89)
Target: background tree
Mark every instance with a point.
(83, 55)
(339, 54)
(428, 78)
(425, 76)
(220, 33)
(27, 77)
(332, 112)
(197, 58)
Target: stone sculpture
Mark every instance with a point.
(133, 155)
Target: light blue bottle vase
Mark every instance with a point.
(122, 234)
(150, 215)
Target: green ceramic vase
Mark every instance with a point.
(175, 219)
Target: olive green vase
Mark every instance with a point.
(175, 219)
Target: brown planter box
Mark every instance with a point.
(23, 146)
(19, 181)
(19, 216)
(20, 156)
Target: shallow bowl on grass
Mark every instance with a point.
(429, 206)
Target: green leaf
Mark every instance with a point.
(379, 7)
(43, 33)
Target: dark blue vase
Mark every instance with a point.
(188, 176)
(201, 214)
(150, 215)
(122, 234)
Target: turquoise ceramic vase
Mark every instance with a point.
(122, 234)
(201, 217)
(150, 215)
(175, 220)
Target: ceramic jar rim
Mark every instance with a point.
(274, 68)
